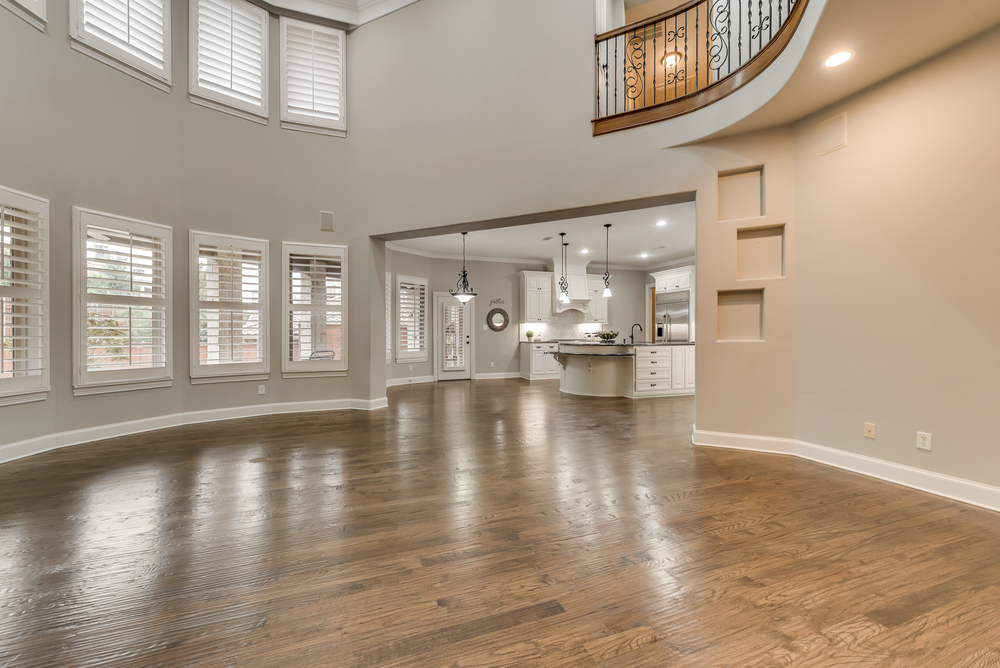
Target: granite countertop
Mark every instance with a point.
(594, 354)
(628, 345)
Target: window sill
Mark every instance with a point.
(128, 386)
(314, 374)
(207, 380)
(25, 398)
(315, 129)
(225, 108)
(119, 65)
(28, 16)
(410, 360)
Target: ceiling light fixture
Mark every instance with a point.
(584, 251)
(839, 58)
(563, 285)
(464, 292)
(644, 255)
(662, 223)
(671, 59)
(607, 255)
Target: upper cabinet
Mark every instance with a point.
(536, 296)
(597, 309)
(681, 278)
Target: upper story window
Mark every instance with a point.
(32, 11)
(124, 304)
(411, 319)
(24, 298)
(228, 308)
(130, 35)
(228, 58)
(315, 306)
(312, 78)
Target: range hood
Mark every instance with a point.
(576, 277)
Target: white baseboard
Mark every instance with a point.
(498, 376)
(34, 446)
(959, 489)
(392, 382)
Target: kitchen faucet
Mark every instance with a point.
(632, 338)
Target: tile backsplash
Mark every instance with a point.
(565, 325)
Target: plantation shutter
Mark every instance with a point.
(231, 305)
(411, 304)
(23, 252)
(315, 311)
(312, 74)
(388, 317)
(230, 53)
(136, 31)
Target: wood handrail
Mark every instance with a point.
(635, 25)
(711, 93)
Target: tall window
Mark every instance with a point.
(123, 304)
(312, 78)
(315, 309)
(24, 298)
(228, 308)
(130, 35)
(228, 58)
(411, 319)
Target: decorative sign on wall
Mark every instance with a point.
(497, 302)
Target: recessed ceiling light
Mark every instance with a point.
(644, 255)
(662, 223)
(839, 58)
(584, 251)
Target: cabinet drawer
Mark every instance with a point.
(641, 352)
(538, 346)
(646, 363)
(652, 385)
(552, 347)
(652, 374)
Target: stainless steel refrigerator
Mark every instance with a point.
(673, 314)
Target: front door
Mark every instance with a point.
(453, 337)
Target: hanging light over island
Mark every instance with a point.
(607, 254)
(464, 292)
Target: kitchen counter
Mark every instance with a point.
(594, 369)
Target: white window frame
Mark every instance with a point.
(31, 11)
(36, 387)
(238, 371)
(388, 317)
(212, 99)
(120, 380)
(311, 368)
(112, 55)
(412, 355)
(295, 121)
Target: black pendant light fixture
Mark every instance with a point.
(563, 285)
(607, 254)
(464, 292)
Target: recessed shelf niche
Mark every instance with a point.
(741, 315)
(760, 253)
(741, 194)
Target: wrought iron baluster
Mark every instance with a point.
(644, 66)
(615, 70)
(780, 20)
(597, 48)
(739, 23)
(729, 37)
(760, 25)
(697, 81)
(770, 19)
(607, 83)
(685, 52)
(675, 64)
(654, 63)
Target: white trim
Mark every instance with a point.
(118, 65)
(34, 446)
(950, 487)
(224, 108)
(439, 373)
(229, 378)
(337, 367)
(314, 129)
(314, 374)
(24, 398)
(121, 387)
(497, 376)
(369, 10)
(415, 380)
(471, 258)
(26, 14)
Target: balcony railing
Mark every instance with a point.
(687, 58)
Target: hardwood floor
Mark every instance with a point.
(490, 523)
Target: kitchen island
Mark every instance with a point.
(618, 370)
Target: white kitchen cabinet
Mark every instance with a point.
(663, 371)
(677, 363)
(597, 310)
(689, 367)
(537, 362)
(536, 298)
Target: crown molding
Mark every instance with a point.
(471, 258)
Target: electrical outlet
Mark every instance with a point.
(260, 389)
(485, 328)
(870, 430)
(491, 365)
(411, 367)
(923, 441)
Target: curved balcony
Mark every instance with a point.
(685, 59)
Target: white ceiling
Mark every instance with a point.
(887, 37)
(632, 233)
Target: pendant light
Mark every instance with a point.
(464, 291)
(607, 254)
(563, 285)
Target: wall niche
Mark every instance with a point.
(741, 315)
(741, 194)
(760, 253)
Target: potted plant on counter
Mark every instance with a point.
(530, 334)
(607, 337)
